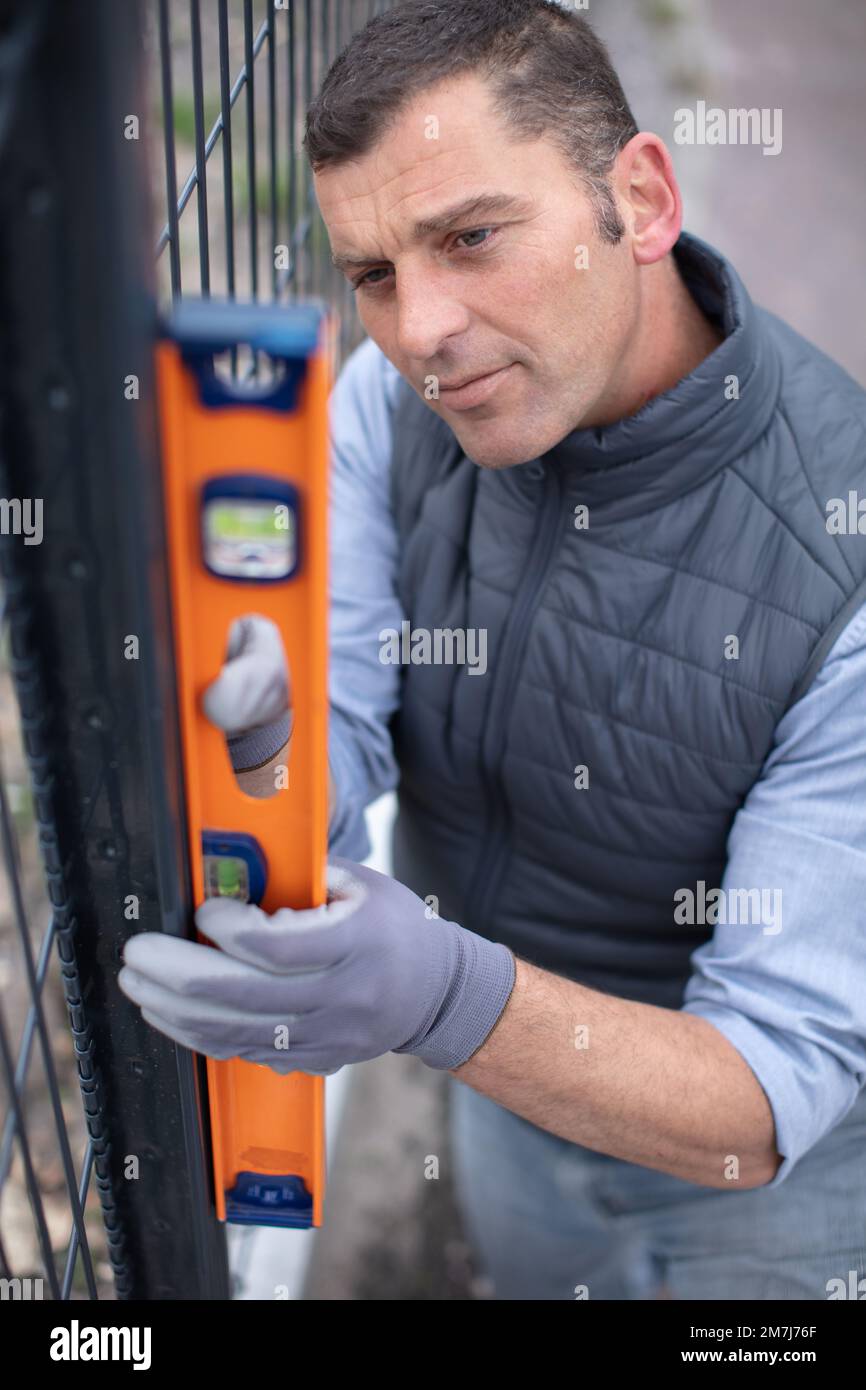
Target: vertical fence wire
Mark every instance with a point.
(200, 157)
(168, 134)
(228, 166)
(250, 76)
(272, 144)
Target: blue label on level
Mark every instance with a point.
(259, 1199)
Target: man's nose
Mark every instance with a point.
(428, 313)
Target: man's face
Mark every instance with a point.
(494, 291)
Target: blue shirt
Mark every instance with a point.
(792, 1001)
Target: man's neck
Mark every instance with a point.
(674, 336)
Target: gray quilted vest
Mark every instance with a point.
(608, 644)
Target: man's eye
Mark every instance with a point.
(477, 232)
(365, 280)
(489, 234)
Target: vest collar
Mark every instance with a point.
(680, 438)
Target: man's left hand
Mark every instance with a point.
(371, 971)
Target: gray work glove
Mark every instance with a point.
(371, 971)
(250, 698)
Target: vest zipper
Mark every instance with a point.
(514, 640)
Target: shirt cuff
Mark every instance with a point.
(790, 1088)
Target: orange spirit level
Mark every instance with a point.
(245, 485)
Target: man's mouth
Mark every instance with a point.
(467, 381)
(474, 389)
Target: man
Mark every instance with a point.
(641, 819)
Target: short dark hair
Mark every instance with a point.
(550, 75)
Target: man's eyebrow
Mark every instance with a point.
(477, 206)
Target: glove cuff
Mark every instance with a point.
(257, 746)
(480, 988)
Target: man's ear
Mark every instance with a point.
(649, 196)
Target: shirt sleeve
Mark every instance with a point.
(363, 691)
(790, 992)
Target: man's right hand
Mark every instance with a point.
(250, 700)
(253, 689)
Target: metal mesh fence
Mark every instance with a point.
(231, 82)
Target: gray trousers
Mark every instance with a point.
(552, 1220)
